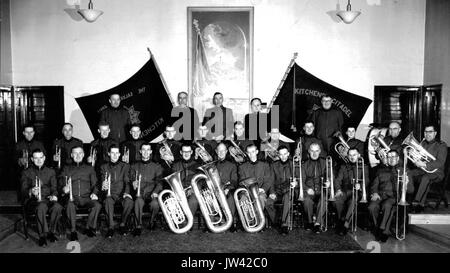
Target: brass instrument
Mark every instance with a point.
(138, 178)
(324, 204)
(297, 160)
(38, 186)
(69, 185)
(25, 158)
(341, 147)
(211, 198)
(403, 179)
(330, 176)
(201, 151)
(415, 152)
(126, 155)
(270, 150)
(58, 156)
(381, 148)
(93, 155)
(166, 153)
(354, 219)
(174, 205)
(107, 184)
(236, 152)
(249, 206)
(360, 163)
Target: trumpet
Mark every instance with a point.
(415, 152)
(330, 176)
(360, 164)
(126, 155)
(138, 178)
(403, 179)
(324, 204)
(69, 185)
(166, 153)
(381, 148)
(174, 205)
(201, 151)
(211, 198)
(25, 158)
(38, 186)
(249, 206)
(341, 147)
(236, 152)
(93, 155)
(107, 184)
(58, 156)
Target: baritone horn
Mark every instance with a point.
(381, 148)
(415, 152)
(341, 147)
(236, 152)
(400, 229)
(249, 206)
(211, 198)
(202, 153)
(174, 205)
(166, 153)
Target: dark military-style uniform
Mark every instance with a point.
(29, 146)
(226, 114)
(175, 148)
(134, 147)
(48, 187)
(118, 120)
(228, 173)
(151, 175)
(307, 140)
(327, 122)
(119, 173)
(208, 144)
(187, 170)
(312, 172)
(84, 183)
(101, 145)
(66, 149)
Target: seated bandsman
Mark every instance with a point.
(115, 186)
(282, 171)
(271, 145)
(62, 148)
(203, 140)
(239, 139)
(39, 192)
(313, 171)
(383, 195)
(26, 146)
(262, 172)
(146, 176)
(308, 138)
(187, 167)
(343, 186)
(228, 178)
(167, 159)
(99, 150)
(131, 148)
(78, 182)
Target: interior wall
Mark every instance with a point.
(5, 44)
(384, 46)
(437, 56)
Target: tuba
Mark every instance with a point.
(236, 152)
(174, 205)
(381, 148)
(400, 229)
(341, 147)
(416, 153)
(211, 198)
(201, 151)
(248, 205)
(165, 152)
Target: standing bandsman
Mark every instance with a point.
(189, 114)
(100, 147)
(256, 121)
(343, 186)
(115, 185)
(62, 148)
(131, 148)
(223, 115)
(228, 178)
(146, 176)
(25, 146)
(79, 181)
(263, 174)
(117, 117)
(165, 159)
(308, 138)
(271, 145)
(240, 140)
(353, 142)
(204, 139)
(39, 192)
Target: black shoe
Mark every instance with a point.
(419, 209)
(205, 230)
(343, 231)
(384, 237)
(90, 233)
(316, 229)
(123, 230)
(152, 226)
(233, 229)
(308, 226)
(284, 230)
(51, 237)
(73, 236)
(137, 232)
(42, 241)
(110, 233)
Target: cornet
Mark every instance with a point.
(126, 155)
(58, 156)
(341, 147)
(415, 152)
(69, 185)
(38, 186)
(403, 179)
(107, 184)
(25, 158)
(249, 206)
(93, 155)
(236, 152)
(201, 151)
(271, 151)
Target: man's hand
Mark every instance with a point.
(310, 191)
(421, 164)
(294, 184)
(89, 159)
(154, 195)
(55, 157)
(188, 192)
(23, 161)
(35, 191)
(125, 158)
(53, 198)
(261, 190)
(93, 196)
(126, 195)
(135, 185)
(375, 197)
(357, 186)
(327, 184)
(338, 193)
(273, 196)
(225, 191)
(66, 189)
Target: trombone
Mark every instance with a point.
(330, 176)
(324, 204)
(360, 164)
(354, 219)
(296, 162)
(403, 179)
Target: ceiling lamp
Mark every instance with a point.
(348, 16)
(90, 14)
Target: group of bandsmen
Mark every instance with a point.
(130, 170)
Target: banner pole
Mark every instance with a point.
(161, 77)
(283, 80)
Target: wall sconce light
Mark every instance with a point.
(90, 14)
(348, 16)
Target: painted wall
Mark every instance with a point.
(437, 56)
(384, 46)
(5, 44)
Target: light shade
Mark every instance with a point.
(348, 16)
(90, 14)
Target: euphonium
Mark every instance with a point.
(330, 176)
(403, 179)
(166, 153)
(341, 147)
(360, 163)
(248, 205)
(201, 151)
(236, 152)
(270, 150)
(416, 153)
(381, 148)
(211, 198)
(174, 205)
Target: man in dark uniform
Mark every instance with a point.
(202, 139)
(228, 178)
(343, 186)
(422, 179)
(264, 176)
(117, 117)
(64, 145)
(353, 142)
(239, 139)
(166, 160)
(131, 148)
(25, 146)
(308, 138)
(101, 147)
(271, 145)
(147, 176)
(41, 198)
(221, 116)
(313, 170)
(393, 140)
(327, 121)
(383, 195)
(282, 170)
(188, 116)
(187, 167)
(255, 122)
(84, 192)
(115, 184)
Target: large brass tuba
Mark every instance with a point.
(415, 152)
(202, 152)
(211, 198)
(381, 148)
(174, 205)
(248, 205)
(341, 147)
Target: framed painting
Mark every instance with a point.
(220, 57)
